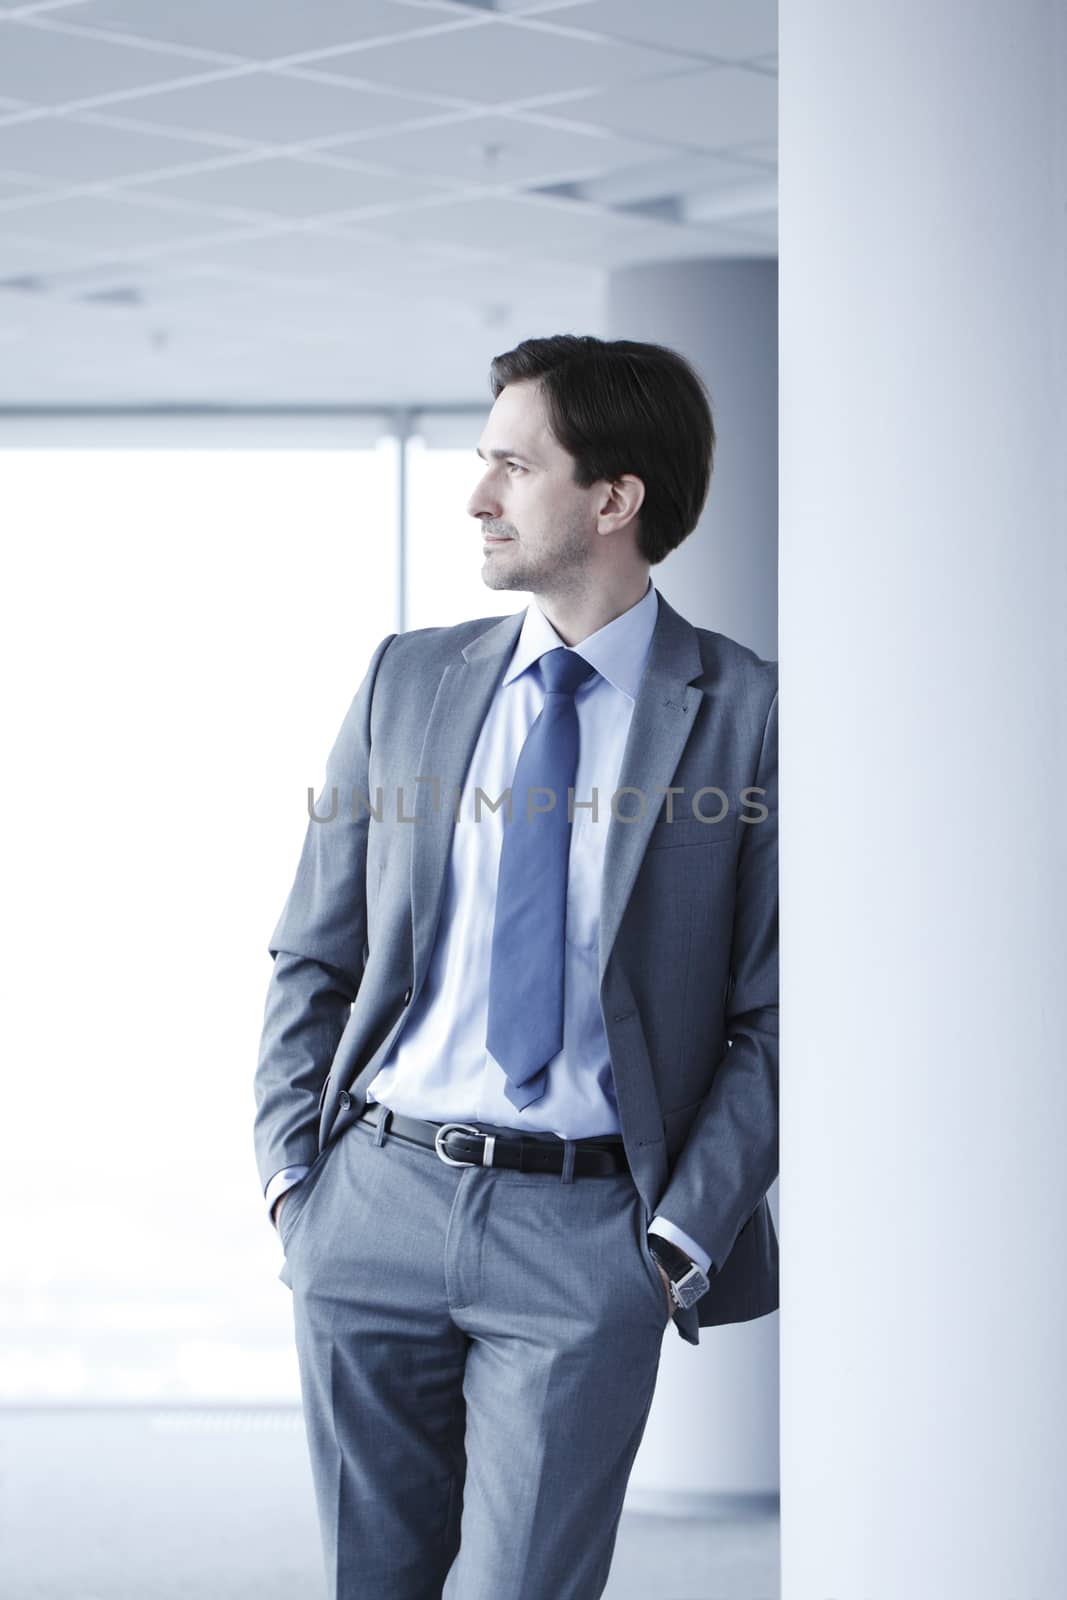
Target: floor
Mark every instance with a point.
(144, 1503)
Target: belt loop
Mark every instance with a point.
(384, 1118)
(569, 1148)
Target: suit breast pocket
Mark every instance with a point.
(687, 831)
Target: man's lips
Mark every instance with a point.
(496, 538)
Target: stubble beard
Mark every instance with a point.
(556, 572)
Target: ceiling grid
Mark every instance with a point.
(268, 201)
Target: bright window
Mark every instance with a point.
(182, 632)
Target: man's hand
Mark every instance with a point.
(667, 1288)
(276, 1208)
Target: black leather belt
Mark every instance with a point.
(461, 1144)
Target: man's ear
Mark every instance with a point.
(620, 503)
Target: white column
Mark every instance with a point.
(713, 1431)
(723, 317)
(923, 770)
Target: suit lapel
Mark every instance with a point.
(460, 707)
(663, 718)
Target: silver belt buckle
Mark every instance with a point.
(463, 1127)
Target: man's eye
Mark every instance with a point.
(516, 466)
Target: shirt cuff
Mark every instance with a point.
(668, 1230)
(281, 1181)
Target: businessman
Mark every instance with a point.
(517, 1092)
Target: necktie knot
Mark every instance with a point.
(564, 671)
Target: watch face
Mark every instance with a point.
(689, 1288)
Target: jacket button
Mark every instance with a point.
(344, 1099)
(407, 997)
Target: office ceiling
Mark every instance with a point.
(353, 201)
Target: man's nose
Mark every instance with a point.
(483, 503)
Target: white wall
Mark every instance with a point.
(923, 595)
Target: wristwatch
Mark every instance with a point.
(687, 1282)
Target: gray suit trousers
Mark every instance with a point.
(478, 1350)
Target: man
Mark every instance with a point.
(517, 1090)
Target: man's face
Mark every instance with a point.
(538, 525)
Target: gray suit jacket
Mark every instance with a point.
(688, 927)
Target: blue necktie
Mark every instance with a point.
(525, 1029)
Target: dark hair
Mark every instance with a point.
(619, 406)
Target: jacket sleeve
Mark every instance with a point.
(730, 1157)
(317, 950)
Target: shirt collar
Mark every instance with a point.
(618, 650)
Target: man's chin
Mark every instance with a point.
(498, 577)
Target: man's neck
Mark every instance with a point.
(576, 617)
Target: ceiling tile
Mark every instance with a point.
(492, 148)
(276, 109)
(47, 67)
(333, 266)
(725, 29)
(511, 8)
(10, 191)
(306, 255)
(666, 177)
(201, 297)
(508, 226)
(19, 257)
(712, 109)
(529, 8)
(501, 294)
(289, 187)
(569, 9)
(255, 29)
(427, 270)
(13, 187)
(106, 223)
(499, 61)
(72, 150)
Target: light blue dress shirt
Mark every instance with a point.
(439, 1068)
